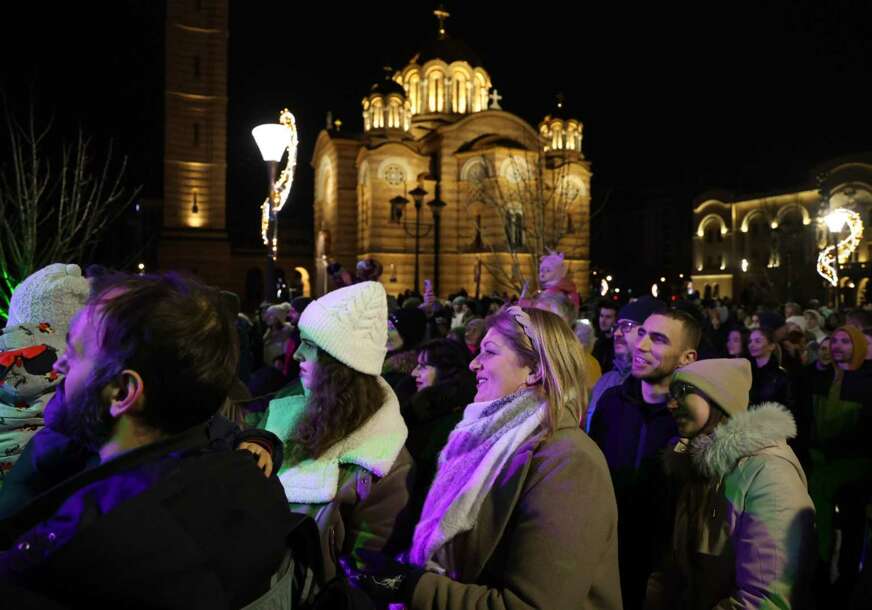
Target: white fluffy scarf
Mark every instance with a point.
(476, 451)
(374, 446)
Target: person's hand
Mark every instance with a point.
(264, 458)
(384, 579)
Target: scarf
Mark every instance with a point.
(477, 450)
(374, 446)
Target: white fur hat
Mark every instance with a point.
(53, 294)
(351, 324)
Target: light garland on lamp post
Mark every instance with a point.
(273, 141)
(835, 221)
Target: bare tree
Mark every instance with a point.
(53, 210)
(532, 196)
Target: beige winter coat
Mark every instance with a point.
(744, 524)
(546, 536)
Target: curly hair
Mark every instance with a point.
(341, 401)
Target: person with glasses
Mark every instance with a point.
(632, 427)
(743, 534)
(630, 317)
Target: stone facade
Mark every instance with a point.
(434, 126)
(769, 245)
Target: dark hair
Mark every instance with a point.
(449, 358)
(606, 304)
(342, 400)
(300, 303)
(743, 334)
(177, 334)
(691, 326)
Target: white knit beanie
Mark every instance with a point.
(351, 324)
(53, 294)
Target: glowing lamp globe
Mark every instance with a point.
(272, 140)
(836, 220)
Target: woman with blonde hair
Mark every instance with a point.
(521, 512)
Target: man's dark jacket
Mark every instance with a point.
(632, 435)
(174, 524)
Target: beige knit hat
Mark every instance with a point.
(53, 294)
(726, 381)
(351, 324)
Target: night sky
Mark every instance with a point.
(674, 102)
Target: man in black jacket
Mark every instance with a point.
(632, 426)
(167, 518)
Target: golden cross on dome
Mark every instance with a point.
(441, 15)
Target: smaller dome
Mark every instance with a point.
(386, 87)
(448, 50)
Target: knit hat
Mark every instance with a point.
(858, 339)
(351, 324)
(727, 381)
(639, 310)
(411, 324)
(277, 312)
(53, 295)
(799, 321)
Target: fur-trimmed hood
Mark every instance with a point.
(763, 427)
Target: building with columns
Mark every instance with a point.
(767, 247)
(437, 125)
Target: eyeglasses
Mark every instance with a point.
(626, 326)
(680, 389)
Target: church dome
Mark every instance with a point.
(448, 50)
(559, 131)
(386, 107)
(445, 76)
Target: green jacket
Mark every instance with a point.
(744, 523)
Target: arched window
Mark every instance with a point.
(515, 227)
(378, 113)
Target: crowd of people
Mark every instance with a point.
(161, 448)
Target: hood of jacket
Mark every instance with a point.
(764, 427)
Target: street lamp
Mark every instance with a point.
(273, 139)
(418, 195)
(436, 206)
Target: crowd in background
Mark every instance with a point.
(523, 451)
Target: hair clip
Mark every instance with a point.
(523, 319)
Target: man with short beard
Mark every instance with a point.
(165, 515)
(630, 318)
(632, 426)
(839, 406)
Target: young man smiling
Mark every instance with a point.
(632, 426)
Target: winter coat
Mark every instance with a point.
(545, 537)
(52, 457)
(616, 376)
(744, 523)
(430, 417)
(358, 490)
(27, 383)
(839, 410)
(173, 524)
(770, 383)
(633, 435)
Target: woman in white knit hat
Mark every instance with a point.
(345, 463)
(521, 513)
(744, 523)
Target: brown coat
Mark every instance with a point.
(546, 536)
(368, 512)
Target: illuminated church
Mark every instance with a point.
(437, 125)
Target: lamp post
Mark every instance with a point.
(418, 195)
(436, 206)
(272, 139)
